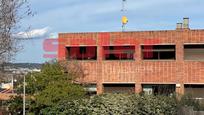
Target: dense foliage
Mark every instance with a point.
(47, 88)
(117, 104)
(120, 104)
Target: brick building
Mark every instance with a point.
(150, 61)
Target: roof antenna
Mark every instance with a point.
(124, 18)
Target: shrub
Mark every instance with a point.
(117, 104)
(188, 101)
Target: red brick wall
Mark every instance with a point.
(138, 71)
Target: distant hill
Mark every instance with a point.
(24, 65)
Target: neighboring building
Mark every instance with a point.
(11, 74)
(151, 61)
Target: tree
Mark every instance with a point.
(11, 13)
(16, 104)
(58, 91)
(49, 87)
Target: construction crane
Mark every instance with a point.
(124, 18)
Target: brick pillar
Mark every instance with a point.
(179, 52)
(180, 64)
(138, 53)
(99, 76)
(180, 90)
(62, 52)
(138, 87)
(99, 88)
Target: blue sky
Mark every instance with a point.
(53, 17)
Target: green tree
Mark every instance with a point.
(16, 104)
(58, 91)
(50, 86)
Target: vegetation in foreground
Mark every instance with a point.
(53, 91)
(47, 88)
(121, 104)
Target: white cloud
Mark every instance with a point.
(35, 33)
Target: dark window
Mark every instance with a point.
(195, 90)
(193, 86)
(194, 52)
(82, 50)
(159, 89)
(118, 52)
(82, 53)
(119, 88)
(157, 52)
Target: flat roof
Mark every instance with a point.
(131, 31)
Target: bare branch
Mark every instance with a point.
(11, 12)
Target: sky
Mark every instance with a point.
(52, 17)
